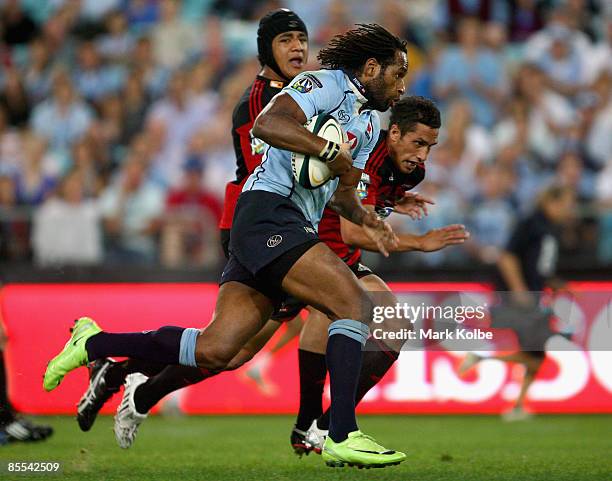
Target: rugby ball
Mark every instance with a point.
(309, 171)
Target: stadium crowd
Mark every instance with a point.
(115, 119)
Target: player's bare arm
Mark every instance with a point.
(347, 204)
(431, 241)
(281, 125)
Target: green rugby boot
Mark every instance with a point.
(359, 450)
(73, 355)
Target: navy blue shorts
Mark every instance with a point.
(292, 306)
(269, 234)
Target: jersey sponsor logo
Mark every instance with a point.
(362, 186)
(343, 117)
(257, 146)
(309, 230)
(315, 80)
(304, 85)
(274, 240)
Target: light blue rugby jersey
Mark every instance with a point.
(320, 92)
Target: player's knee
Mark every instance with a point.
(213, 359)
(359, 308)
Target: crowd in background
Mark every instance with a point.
(115, 119)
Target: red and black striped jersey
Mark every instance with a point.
(382, 184)
(249, 150)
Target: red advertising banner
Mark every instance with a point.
(575, 378)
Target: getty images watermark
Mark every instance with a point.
(406, 313)
(492, 320)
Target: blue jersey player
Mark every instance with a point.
(274, 247)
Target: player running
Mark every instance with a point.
(274, 247)
(282, 45)
(526, 267)
(396, 165)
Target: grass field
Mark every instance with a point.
(257, 449)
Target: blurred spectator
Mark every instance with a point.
(14, 99)
(492, 216)
(14, 230)
(173, 39)
(175, 118)
(562, 63)
(449, 12)
(525, 18)
(336, 21)
(599, 60)
(37, 74)
(471, 71)
(551, 116)
(243, 9)
(135, 105)
(464, 147)
(10, 146)
(109, 127)
(513, 152)
(131, 208)
(604, 200)
(153, 76)
(393, 14)
(116, 45)
(67, 230)
(189, 234)
(597, 119)
(63, 118)
(92, 174)
(95, 10)
(560, 22)
(570, 173)
(57, 30)
(141, 14)
(16, 26)
(92, 78)
(583, 14)
(37, 173)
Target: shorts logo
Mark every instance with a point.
(274, 240)
(303, 85)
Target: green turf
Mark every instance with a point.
(257, 449)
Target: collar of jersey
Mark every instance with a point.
(356, 87)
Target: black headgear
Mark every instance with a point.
(272, 24)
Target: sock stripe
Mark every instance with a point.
(348, 327)
(188, 347)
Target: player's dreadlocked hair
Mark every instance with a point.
(351, 50)
(413, 110)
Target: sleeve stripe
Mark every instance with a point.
(252, 99)
(253, 87)
(377, 158)
(259, 95)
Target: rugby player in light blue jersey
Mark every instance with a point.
(274, 247)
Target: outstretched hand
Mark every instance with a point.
(449, 235)
(413, 205)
